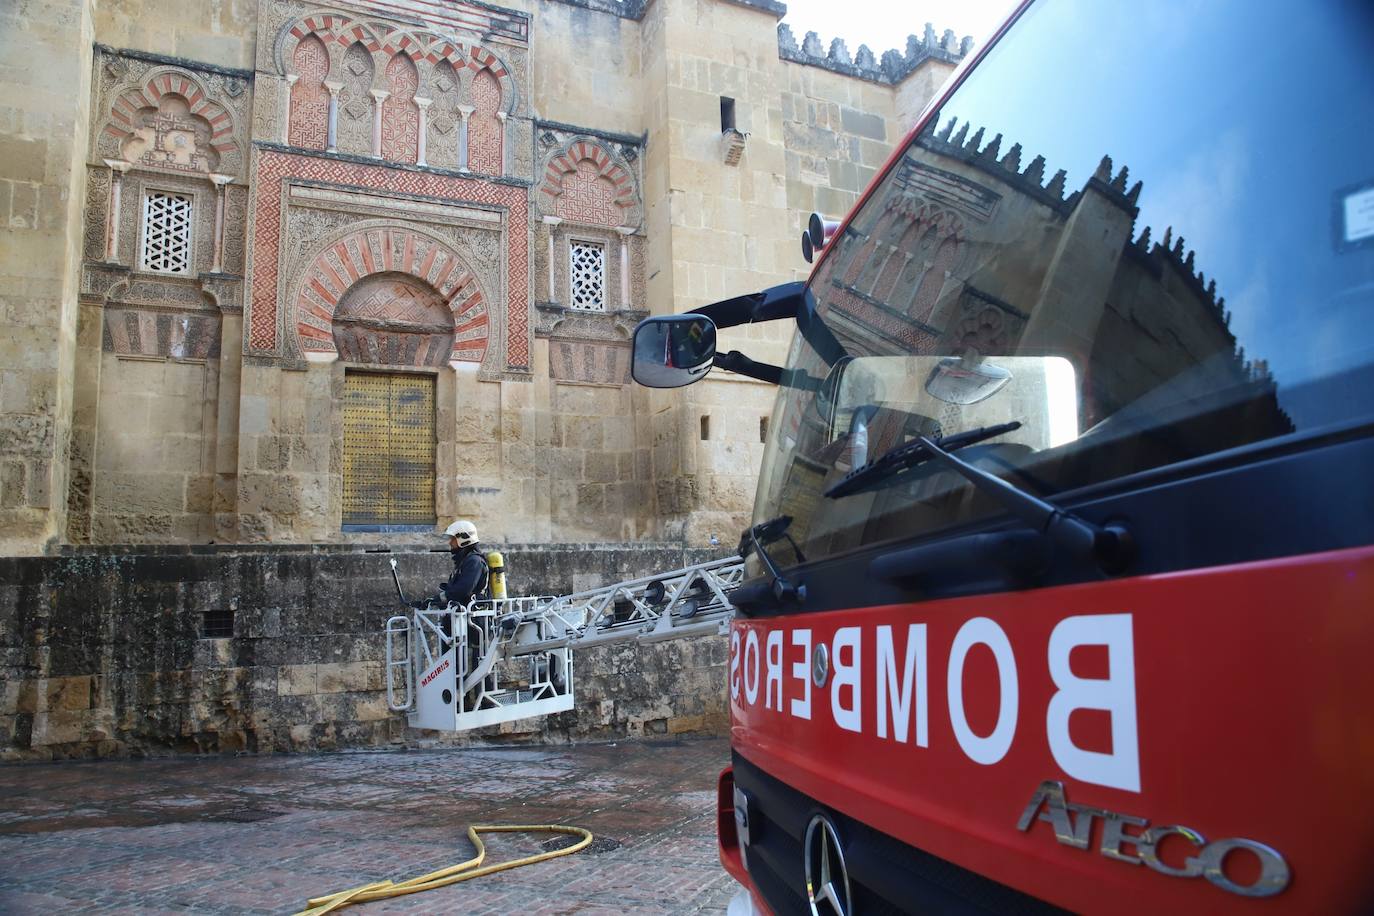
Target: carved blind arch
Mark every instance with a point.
(355, 115)
(486, 126)
(171, 100)
(586, 183)
(400, 115)
(361, 253)
(309, 97)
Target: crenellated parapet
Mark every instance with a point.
(1030, 180)
(964, 143)
(1174, 254)
(893, 67)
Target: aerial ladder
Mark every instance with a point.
(496, 660)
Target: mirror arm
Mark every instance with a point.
(815, 332)
(737, 362)
(776, 302)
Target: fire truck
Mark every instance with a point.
(1058, 590)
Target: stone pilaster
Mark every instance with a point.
(332, 143)
(378, 96)
(44, 138)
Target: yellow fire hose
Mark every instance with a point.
(463, 871)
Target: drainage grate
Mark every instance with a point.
(244, 815)
(599, 845)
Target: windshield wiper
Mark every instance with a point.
(912, 454)
(778, 588)
(1109, 546)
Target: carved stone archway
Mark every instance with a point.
(362, 253)
(393, 319)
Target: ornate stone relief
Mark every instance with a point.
(453, 73)
(339, 253)
(160, 318)
(400, 115)
(355, 102)
(585, 179)
(588, 193)
(170, 118)
(235, 221)
(179, 134)
(589, 363)
(426, 268)
(557, 321)
(445, 117)
(309, 97)
(393, 319)
(97, 211)
(485, 128)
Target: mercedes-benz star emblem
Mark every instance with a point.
(820, 665)
(827, 880)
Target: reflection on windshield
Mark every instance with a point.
(977, 258)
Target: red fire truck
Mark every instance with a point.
(1060, 582)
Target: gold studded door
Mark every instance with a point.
(388, 455)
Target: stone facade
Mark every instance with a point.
(237, 210)
(108, 652)
(215, 219)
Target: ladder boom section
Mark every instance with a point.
(692, 601)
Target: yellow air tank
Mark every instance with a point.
(496, 565)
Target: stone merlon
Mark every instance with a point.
(894, 66)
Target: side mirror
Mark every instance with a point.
(670, 351)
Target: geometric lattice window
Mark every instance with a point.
(588, 261)
(166, 233)
(388, 449)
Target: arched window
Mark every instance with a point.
(400, 116)
(484, 127)
(309, 98)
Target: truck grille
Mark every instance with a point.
(885, 874)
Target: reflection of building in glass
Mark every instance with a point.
(969, 252)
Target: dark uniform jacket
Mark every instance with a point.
(469, 577)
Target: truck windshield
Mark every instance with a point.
(1144, 233)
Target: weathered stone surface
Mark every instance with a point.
(102, 651)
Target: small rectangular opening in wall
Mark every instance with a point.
(217, 624)
(727, 114)
(763, 429)
(705, 427)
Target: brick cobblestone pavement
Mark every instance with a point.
(261, 834)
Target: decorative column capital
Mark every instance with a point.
(333, 86)
(291, 78)
(422, 104)
(553, 220)
(381, 95)
(219, 180)
(119, 165)
(501, 115)
(626, 231)
(466, 111)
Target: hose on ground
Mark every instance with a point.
(463, 871)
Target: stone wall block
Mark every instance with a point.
(346, 677)
(297, 680)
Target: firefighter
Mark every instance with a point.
(470, 573)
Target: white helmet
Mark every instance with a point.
(464, 530)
